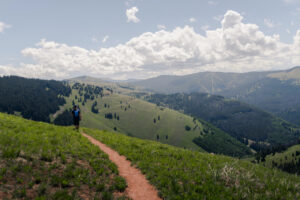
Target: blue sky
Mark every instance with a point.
(90, 37)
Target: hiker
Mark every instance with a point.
(76, 116)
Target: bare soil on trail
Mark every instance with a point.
(138, 187)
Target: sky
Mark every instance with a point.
(138, 39)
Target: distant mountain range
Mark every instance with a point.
(274, 91)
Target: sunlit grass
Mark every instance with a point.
(184, 174)
(39, 160)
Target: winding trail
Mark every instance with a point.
(138, 187)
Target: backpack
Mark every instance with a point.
(76, 113)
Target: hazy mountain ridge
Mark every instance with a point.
(274, 91)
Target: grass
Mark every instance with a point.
(43, 161)
(184, 174)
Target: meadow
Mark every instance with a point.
(183, 174)
(43, 161)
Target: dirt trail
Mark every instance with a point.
(138, 186)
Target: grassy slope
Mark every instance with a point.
(184, 174)
(288, 156)
(52, 162)
(137, 120)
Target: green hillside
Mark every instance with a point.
(242, 121)
(184, 174)
(141, 119)
(42, 161)
(288, 160)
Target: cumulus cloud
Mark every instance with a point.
(131, 15)
(4, 26)
(105, 39)
(233, 47)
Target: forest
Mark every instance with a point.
(32, 98)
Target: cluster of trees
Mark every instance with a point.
(64, 119)
(158, 137)
(263, 150)
(88, 92)
(290, 167)
(94, 108)
(187, 128)
(35, 99)
(154, 119)
(112, 116)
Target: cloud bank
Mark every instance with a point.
(234, 47)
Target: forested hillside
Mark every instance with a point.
(246, 123)
(32, 98)
(281, 97)
(288, 160)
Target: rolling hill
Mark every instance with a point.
(61, 164)
(107, 108)
(242, 121)
(138, 118)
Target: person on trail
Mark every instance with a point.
(76, 116)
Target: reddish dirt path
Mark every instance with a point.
(138, 186)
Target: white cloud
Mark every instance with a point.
(131, 15)
(4, 26)
(269, 23)
(105, 39)
(234, 47)
(192, 19)
(161, 27)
